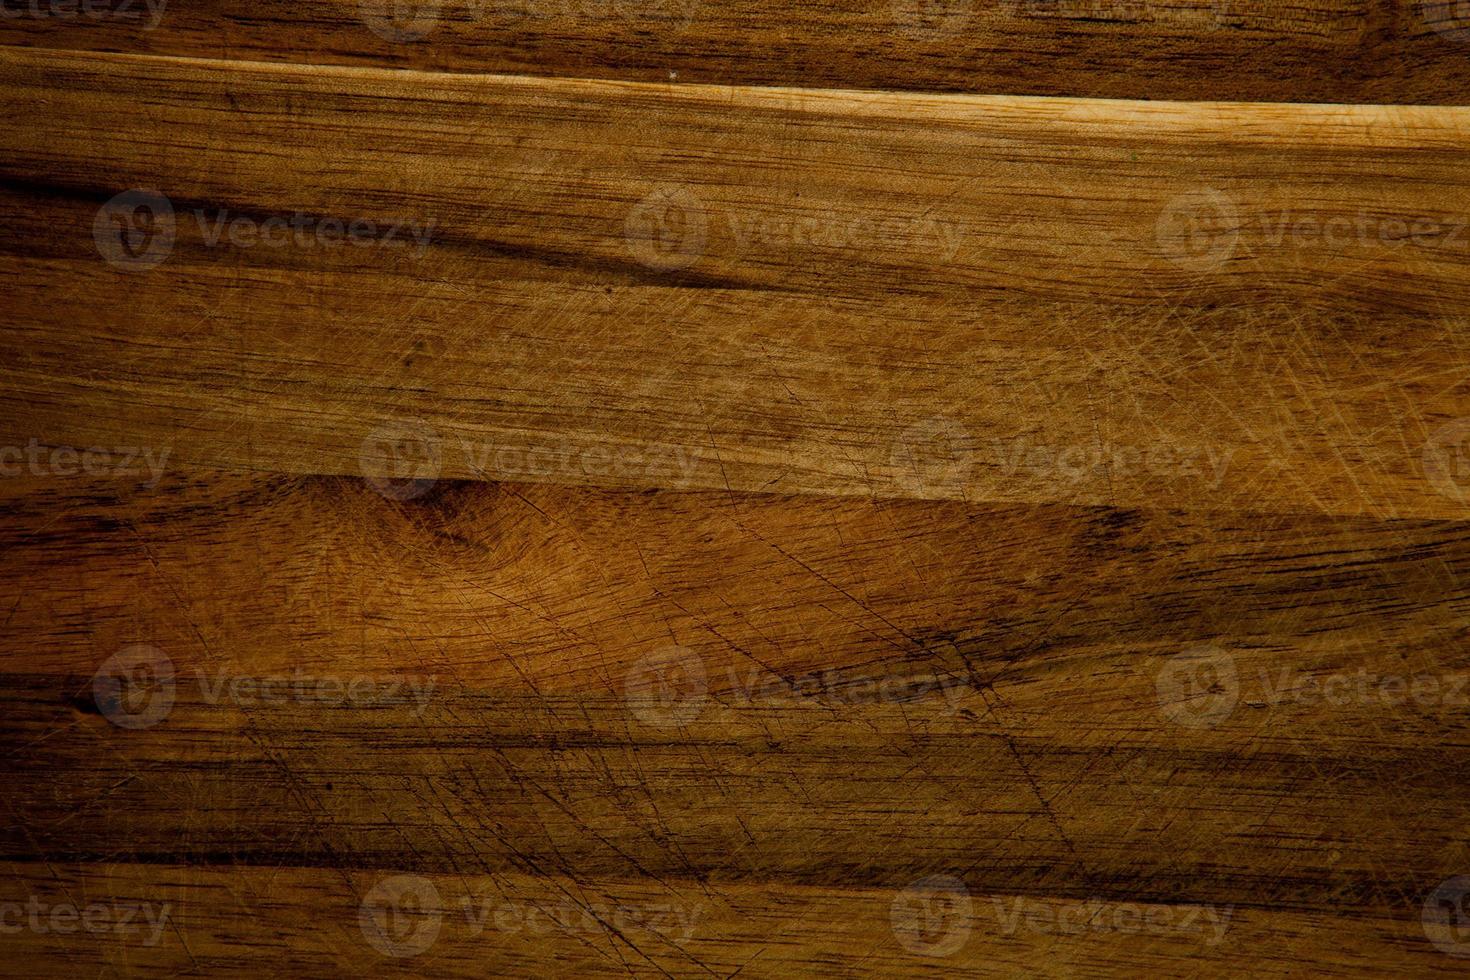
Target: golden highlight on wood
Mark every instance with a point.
(1218, 306)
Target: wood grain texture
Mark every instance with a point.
(1224, 306)
(885, 691)
(1356, 51)
(670, 489)
(308, 920)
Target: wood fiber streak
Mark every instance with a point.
(892, 295)
(1354, 51)
(1026, 743)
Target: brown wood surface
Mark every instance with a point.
(890, 690)
(309, 920)
(1351, 51)
(996, 317)
(589, 491)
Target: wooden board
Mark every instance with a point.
(1358, 51)
(669, 491)
(315, 920)
(1051, 702)
(1014, 300)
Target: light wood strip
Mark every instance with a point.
(977, 301)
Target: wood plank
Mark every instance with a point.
(227, 921)
(1057, 702)
(1365, 51)
(900, 339)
